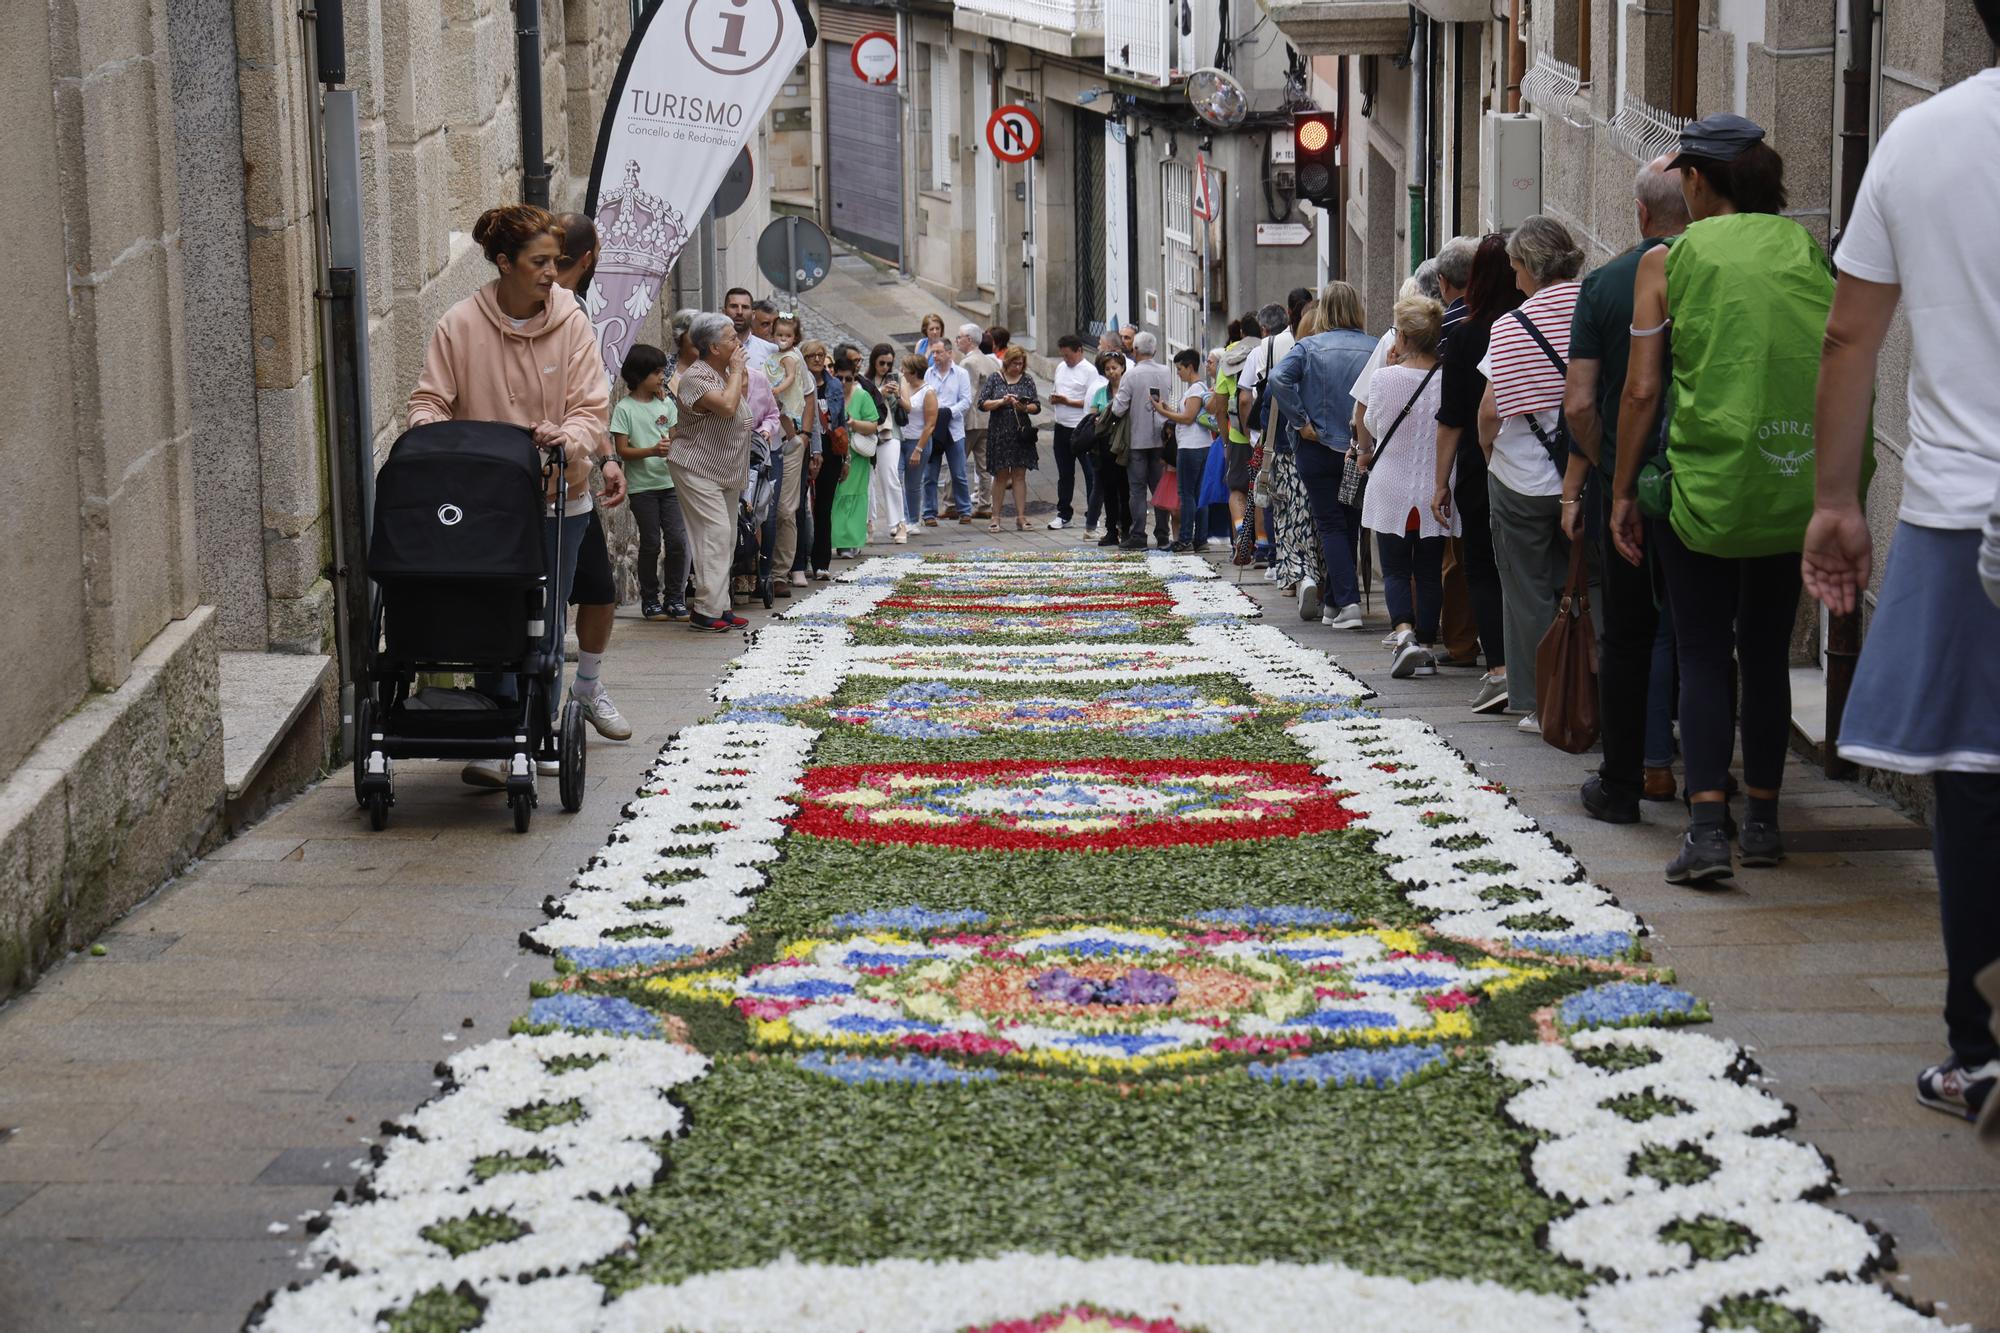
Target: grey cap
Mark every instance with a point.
(1272, 318)
(1721, 137)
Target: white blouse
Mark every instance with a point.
(1403, 475)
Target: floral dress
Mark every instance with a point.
(1010, 435)
(1298, 550)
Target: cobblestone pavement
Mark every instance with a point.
(172, 1108)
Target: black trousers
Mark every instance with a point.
(1724, 607)
(1482, 575)
(1628, 601)
(1111, 491)
(1965, 844)
(822, 510)
(1067, 463)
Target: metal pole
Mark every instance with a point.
(1201, 326)
(792, 263)
(711, 299)
(528, 58)
(350, 420)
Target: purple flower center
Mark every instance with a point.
(1139, 986)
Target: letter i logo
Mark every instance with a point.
(736, 36)
(732, 33)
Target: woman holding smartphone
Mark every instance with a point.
(1011, 399)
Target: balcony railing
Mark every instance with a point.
(1067, 16)
(1555, 88)
(1143, 40)
(1643, 130)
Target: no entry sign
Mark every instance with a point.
(874, 57)
(1013, 133)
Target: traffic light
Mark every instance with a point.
(1315, 138)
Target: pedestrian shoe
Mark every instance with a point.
(1413, 659)
(984, 511)
(930, 522)
(781, 588)
(1110, 539)
(1450, 660)
(1532, 722)
(652, 611)
(548, 768)
(1180, 548)
(1348, 617)
(1759, 843)
(1396, 638)
(799, 579)
(490, 773)
(704, 625)
(1704, 856)
(1163, 542)
(1056, 524)
(735, 621)
(677, 611)
(600, 712)
(1129, 545)
(1217, 543)
(951, 511)
(1607, 808)
(964, 520)
(1308, 600)
(821, 576)
(1092, 532)
(1952, 1088)
(1659, 785)
(1492, 696)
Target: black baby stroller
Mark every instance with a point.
(457, 561)
(757, 517)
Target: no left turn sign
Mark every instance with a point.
(1013, 133)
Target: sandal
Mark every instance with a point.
(994, 526)
(1020, 525)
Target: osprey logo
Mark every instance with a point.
(450, 515)
(1787, 465)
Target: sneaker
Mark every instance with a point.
(1180, 548)
(676, 611)
(1394, 639)
(799, 579)
(1492, 696)
(735, 621)
(1109, 539)
(1056, 524)
(1217, 543)
(1952, 1088)
(1348, 617)
(1413, 659)
(1759, 843)
(601, 713)
(1446, 659)
(822, 576)
(1308, 600)
(1093, 532)
(1532, 722)
(1605, 807)
(1704, 856)
(1130, 545)
(702, 624)
(652, 611)
(491, 773)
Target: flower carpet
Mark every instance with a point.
(1040, 945)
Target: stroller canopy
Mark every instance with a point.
(459, 500)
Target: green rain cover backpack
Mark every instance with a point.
(1749, 295)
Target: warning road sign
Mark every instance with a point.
(1204, 201)
(1013, 133)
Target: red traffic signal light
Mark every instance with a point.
(1315, 140)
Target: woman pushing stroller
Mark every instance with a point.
(520, 350)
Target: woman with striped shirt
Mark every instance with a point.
(1517, 431)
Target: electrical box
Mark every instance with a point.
(1512, 175)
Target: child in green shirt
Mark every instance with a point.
(639, 427)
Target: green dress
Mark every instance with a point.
(850, 501)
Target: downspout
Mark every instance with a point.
(1420, 66)
(1517, 57)
(528, 61)
(1458, 129)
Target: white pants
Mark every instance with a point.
(709, 513)
(885, 486)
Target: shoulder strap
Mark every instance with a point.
(1390, 434)
(1562, 367)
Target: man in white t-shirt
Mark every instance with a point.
(977, 365)
(1192, 439)
(1068, 397)
(1926, 694)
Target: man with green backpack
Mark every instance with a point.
(1746, 292)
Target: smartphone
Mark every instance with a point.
(1155, 393)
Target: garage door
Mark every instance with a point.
(864, 158)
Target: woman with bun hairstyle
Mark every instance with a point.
(520, 350)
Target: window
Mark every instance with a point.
(944, 117)
(1183, 263)
(1686, 37)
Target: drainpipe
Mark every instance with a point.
(1418, 133)
(528, 58)
(1517, 57)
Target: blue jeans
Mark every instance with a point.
(1188, 470)
(503, 686)
(943, 449)
(1408, 559)
(1338, 525)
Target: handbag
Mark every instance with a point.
(1167, 495)
(1557, 444)
(1566, 667)
(1354, 480)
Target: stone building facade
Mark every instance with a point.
(170, 618)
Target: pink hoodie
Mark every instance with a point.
(479, 367)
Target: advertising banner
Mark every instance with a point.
(695, 82)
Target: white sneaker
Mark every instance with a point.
(600, 712)
(799, 579)
(1396, 639)
(1532, 722)
(1308, 600)
(1413, 659)
(1217, 543)
(1056, 524)
(1271, 574)
(1349, 617)
(484, 773)
(1093, 533)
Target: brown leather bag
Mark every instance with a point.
(1566, 667)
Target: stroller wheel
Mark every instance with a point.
(523, 805)
(378, 810)
(570, 753)
(364, 724)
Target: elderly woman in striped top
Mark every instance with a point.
(1524, 365)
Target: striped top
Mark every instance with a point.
(1524, 379)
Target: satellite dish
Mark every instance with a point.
(1218, 98)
